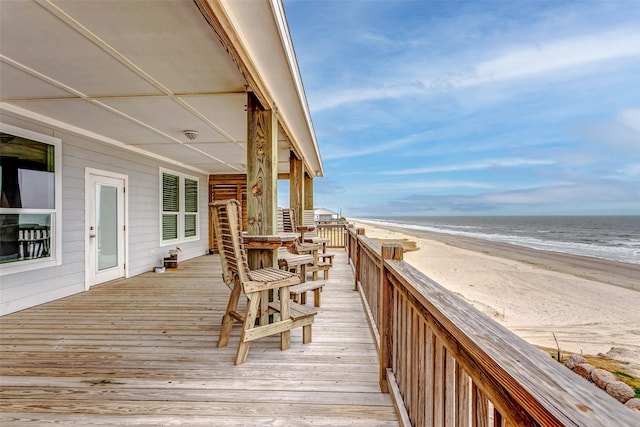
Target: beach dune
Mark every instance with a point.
(591, 305)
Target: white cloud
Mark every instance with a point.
(429, 185)
(345, 151)
(631, 118)
(486, 164)
(332, 99)
(527, 61)
(627, 173)
(522, 61)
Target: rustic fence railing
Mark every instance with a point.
(336, 233)
(447, 364)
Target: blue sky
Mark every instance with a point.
(473, 108)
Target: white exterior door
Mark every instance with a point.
(105, 226)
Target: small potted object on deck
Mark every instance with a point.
(171, 261)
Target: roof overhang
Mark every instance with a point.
(137, 74)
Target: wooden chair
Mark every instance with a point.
(312, 237)
(286, 220)
(287, 223)
(309, 218)
(256, 284)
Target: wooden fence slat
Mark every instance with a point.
(438, 386)
(463, 397)
(409, 359)
(430, 377)
(450, 390)
(415, 363)
(420, 372)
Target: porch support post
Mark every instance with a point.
(308, 192)
(262, 175)
(296, 186)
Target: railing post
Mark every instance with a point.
(392, 251)
(356, 264)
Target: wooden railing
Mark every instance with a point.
(334, 232)
(447, 364)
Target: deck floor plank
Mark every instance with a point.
(142, 351)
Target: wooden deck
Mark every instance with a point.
(142, 351)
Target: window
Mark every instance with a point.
(179, 207)
(30, 200)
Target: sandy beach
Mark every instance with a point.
(591, 305)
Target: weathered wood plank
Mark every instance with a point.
(142, 351)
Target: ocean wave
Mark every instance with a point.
(614, 250)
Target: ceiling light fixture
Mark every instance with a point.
(191, 134)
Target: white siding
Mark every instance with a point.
(22, 290)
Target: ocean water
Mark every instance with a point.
(614, 238)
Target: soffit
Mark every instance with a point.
(138, 73)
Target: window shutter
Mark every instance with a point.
(170, 203)
(169, 227)
(190, 228)
(190, 195)
(170, 193)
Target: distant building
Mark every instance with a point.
(326, 215)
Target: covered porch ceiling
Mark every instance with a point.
(137, 74)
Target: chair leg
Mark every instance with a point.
(316, 297)
(227, 319)
(306, 334)
(285, 315)
(249, 322)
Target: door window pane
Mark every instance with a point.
(107, 227)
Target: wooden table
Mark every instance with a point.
(262, 250)
(303, 229)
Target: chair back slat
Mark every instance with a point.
(279, 222)
(227, 222)
(309, 219)
(288, 220)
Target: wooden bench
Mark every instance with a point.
(294, 262)
(299, 292)
(327, 256)
(299, 264)
(300, 317)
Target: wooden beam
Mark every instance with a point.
(239, 178)
(308, 192)
(262, 173)
(296, 186)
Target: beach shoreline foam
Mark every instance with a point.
(590, 304)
